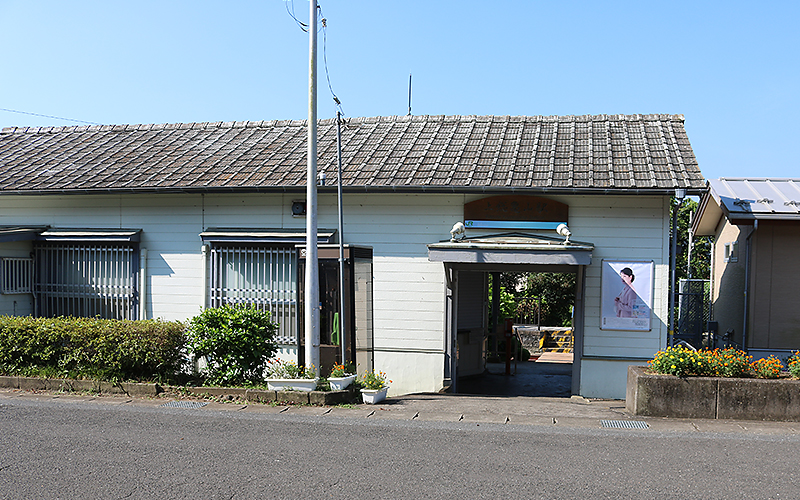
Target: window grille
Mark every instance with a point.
(86, 280)
(260, 275)
(17, 275)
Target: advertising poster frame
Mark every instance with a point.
(626, 298)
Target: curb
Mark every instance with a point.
(316, 398)
(57, 384)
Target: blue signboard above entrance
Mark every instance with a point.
(507, 224)
(515, 212)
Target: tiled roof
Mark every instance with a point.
(616, 152)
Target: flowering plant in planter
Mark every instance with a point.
(766, 368)
(281, 369)
(730, 362)
(341, 376)
(340, 371)
(288, 376)
(374, 381)
(793, 363)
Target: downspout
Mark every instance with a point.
(204, 277)
(143, 283)
(748, 246)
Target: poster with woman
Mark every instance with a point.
(626, 295)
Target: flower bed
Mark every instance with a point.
(730, 362)
(719, 383)
(658, 395)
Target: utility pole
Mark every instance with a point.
(342, 312)
(311, 312)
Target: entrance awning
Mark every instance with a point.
(512, 248)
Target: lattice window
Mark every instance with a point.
(265, 276)
(16, 275)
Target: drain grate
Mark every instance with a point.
(624, 424)
(184, 404)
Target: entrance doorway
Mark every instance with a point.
(468, 262)
(516, 332)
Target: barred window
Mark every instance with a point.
(262, 275)
(86, 279)
(16, 275)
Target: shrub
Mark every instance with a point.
(91, 347)
(766, 367)
(236, 342)
(793, 364)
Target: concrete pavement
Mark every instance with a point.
(537, 394)
(563, 413)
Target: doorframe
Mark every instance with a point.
(451, 311)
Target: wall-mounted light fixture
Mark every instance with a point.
(564, 231)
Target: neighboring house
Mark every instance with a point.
(755, 224)
(149, 221)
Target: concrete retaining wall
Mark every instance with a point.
(656, 395)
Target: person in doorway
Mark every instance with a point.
(623, 303)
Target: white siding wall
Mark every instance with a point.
(408, 289)
(621, 228)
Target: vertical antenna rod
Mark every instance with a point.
(409, 94)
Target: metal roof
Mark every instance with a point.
(743, 200)
(601, 153)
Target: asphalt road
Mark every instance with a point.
(52, 448)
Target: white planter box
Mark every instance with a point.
(373, 396)
(292, 384)
(340, 383)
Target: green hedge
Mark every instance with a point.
(91, 348)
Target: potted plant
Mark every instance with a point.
(288, 376)
(341, 376)
(374, 387)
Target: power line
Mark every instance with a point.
(325, 60)
(303, 26)
(49, 116)
(324, 23)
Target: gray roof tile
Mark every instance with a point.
(585, 152)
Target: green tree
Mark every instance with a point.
(701, 245)
(557, 291)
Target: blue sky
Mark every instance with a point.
(730, 67)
